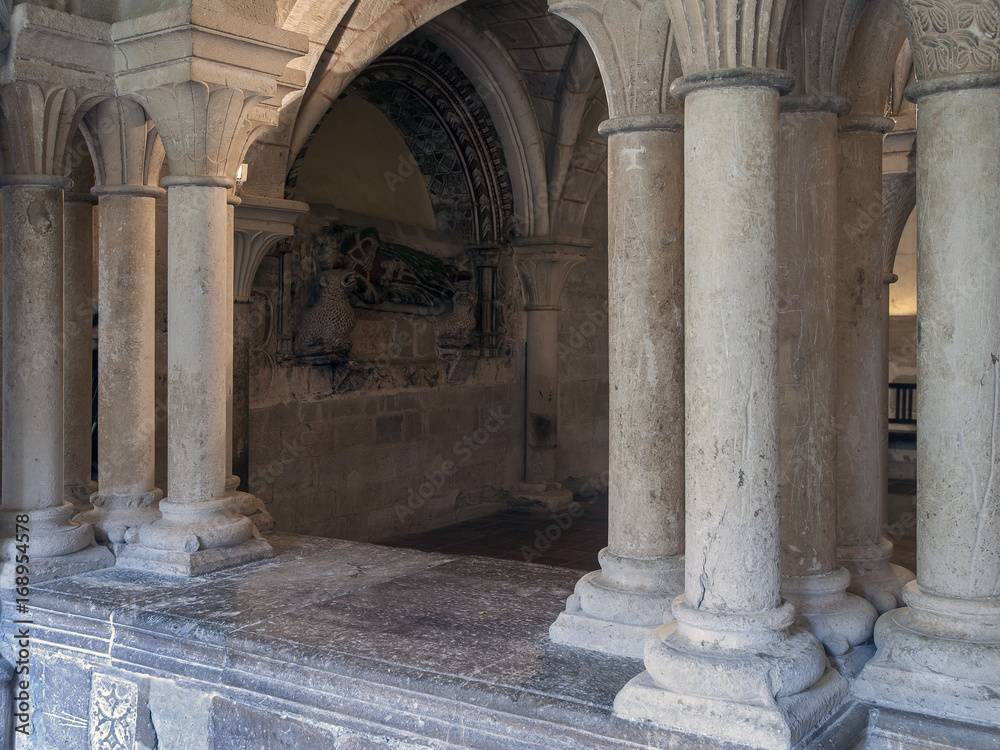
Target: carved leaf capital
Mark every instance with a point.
(37, 123)
(949, 37)
(199, 124)
(635, 51)
(123, 142)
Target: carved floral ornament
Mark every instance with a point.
(953, 37)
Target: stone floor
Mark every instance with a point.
(329, 644)
(338, 644)
(574, 543)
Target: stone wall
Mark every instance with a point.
(406, 435)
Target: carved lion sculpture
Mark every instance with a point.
(326, 326)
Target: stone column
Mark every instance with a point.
(642, 568)
(543, 263)
(78, 350)
(206, 125)
(807, 365)
(42, 116)
(940, 654)
(128, 158)
(862, 388)
(731, 650)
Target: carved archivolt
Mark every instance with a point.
(953, 37)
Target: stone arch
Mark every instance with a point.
(448, 129)
(867, 72)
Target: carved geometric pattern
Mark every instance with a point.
(114, 707)
(445, 123)
(447, 127)
(953, 37)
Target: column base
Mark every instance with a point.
(779, 726)
(249, 505)
(41, 569)
(873, 577)
(78, 495)
(194, 538)
(938, 656)
(114, 515)
(196, 563)
(613, 610)
(842, 622)
(51, 532)
(739, 677)
(549, 497)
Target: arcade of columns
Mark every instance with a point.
(755, 317)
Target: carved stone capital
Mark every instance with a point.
(710, 36)
(952, 37)
(124, 144)
(543, 264)
(260, 224)
(634, 48)
(817, 43)
(207, 101)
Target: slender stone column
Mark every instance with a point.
(807, 364)
(128, 158)
(78, 350)
(37, 119)
(731, 651)
(127, 497)
(941, 653)
(861, 389)
(543, 265)
(199, 531)
(642, 568)
(206, 125)
(33, 478)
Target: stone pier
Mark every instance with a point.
(732, 650)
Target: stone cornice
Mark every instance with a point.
(634, 48)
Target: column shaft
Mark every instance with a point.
(33, 347)
(241, 391)
(940, 654)
(78, 350)
(807, 364)
(200, 325)
(958, 306)
(862, 381)
(613, 609)
(646, 344)
(731, 351)
(127, 496)
(33, 387)
(541, 395)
